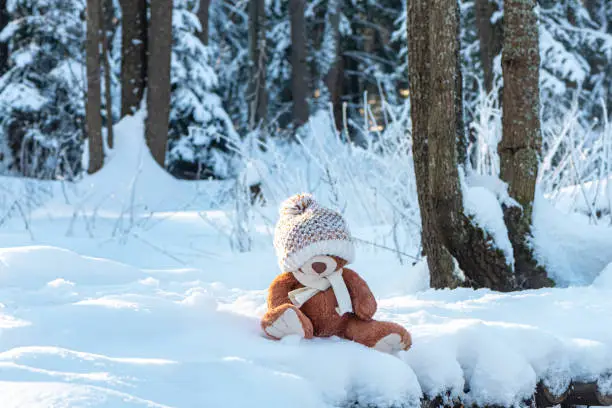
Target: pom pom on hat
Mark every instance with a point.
(306, 229)
(297, 204)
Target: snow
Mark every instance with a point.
(572, 249)
(482, 204)
(125, 292)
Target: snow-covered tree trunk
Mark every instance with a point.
(158, 92)
(299, 72)
(521, 144)
(257, 94)
(94, 101)
(203, 12)
(134, 54)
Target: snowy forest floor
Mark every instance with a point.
(124, 291)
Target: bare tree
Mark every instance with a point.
(93, 105)
(203, 17)
(299, 73)
(257, 94)
(521, 144)
(134, 54)
(158, 93)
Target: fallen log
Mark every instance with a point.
(578, 393)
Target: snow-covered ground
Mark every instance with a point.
(125, 291)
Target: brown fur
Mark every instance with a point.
(319, 317)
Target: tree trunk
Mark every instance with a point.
(257, 95)
(334, 77)
(490, 39)
(203, 17)
(106, 11)
(439, 259)
(158, 93)
(4, 20)
(93, 105)
(299, 72)
(453, 244)
(520, 147)
(134, 54)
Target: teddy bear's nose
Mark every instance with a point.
(319, 267)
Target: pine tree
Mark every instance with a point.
(42, 105)
(228, 34)
(200, 129)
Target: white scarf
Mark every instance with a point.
(315, 283)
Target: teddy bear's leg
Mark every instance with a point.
(383, 336)
(286, 320)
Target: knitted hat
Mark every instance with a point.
(306, 229)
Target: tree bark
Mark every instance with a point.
(203, 17)
(490, 39)
(521, 144)
(4, 50)
(158, 93)
(438, 258)
(93, 106)
(453, 244)
(134, 54)
(110, 138)
(258, 97)
(299, 72)
(334, 77)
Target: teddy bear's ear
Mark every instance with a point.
(297, 204)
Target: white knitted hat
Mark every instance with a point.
(305, 229)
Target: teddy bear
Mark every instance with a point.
(316, 295)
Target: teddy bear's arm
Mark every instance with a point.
(283, 318)
(278, 292)
(364, 303)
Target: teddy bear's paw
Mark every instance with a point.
(287, 324)
(391, 343)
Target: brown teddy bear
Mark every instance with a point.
(316, 295)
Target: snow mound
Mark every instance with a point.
(94, 332)
(572, 250)
(604, 279)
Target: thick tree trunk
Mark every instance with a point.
(520, 147)
(257, 94)
(490, 39)
(108, 99)
(450, 240)
(203, 17)
(158, 93)
(439, 259)
(134, 54)
(4, 20)
(299, 73)
(93, 105)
